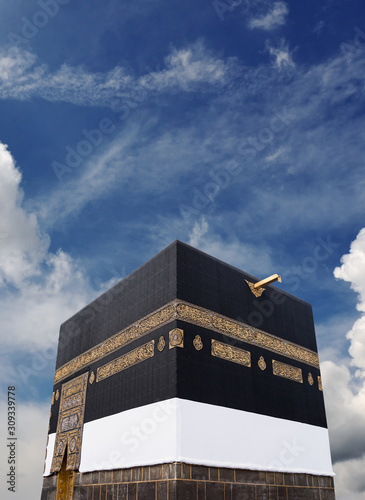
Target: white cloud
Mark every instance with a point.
(326, 153)
(104, 170)
(350, 480)
(345, 405)
(199, 230)
(210, 233)
(22, 246)
(328, 148)
(241, 255)
(281, 54)
(156, 166)
(40, 289)
(319, 27)
(279, 153)
(14, 63)
(31, 314)
(345, 392)
(353, 270)
(332, 343)
(187, 69)
(274, 18)
(125, 162)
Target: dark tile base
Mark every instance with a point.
(179, 481)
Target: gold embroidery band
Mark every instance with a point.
(287, 371)
(137, 330)
(70, 424)
(126, 361)
(237, 330)
(197, 316)
(231, 353)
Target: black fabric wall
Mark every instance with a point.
(142, 292)
(210, 283)
(182, 272)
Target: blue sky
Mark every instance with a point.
(237, 127)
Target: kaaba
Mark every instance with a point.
(183, 381)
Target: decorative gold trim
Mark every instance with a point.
(129, 359)
(91, 378)
(133, 332)
(230, 353)
(237, 330)
(197, 316)
(176, 338)
(57, 394)
(161, 343)
(197, 342)
(256, 291)
(70, 424)
(320, 383)
(65, 483)
(261, 363)
(310, 379)
(287, 371)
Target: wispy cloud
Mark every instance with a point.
(279, 153)
(210, 234)
(274, 18)
(237, 253)
(188, 69)
(281, 54)
(101, 173)
(199, 230)
(125, 163)
(317, 145)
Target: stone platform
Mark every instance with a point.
(180, 481)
